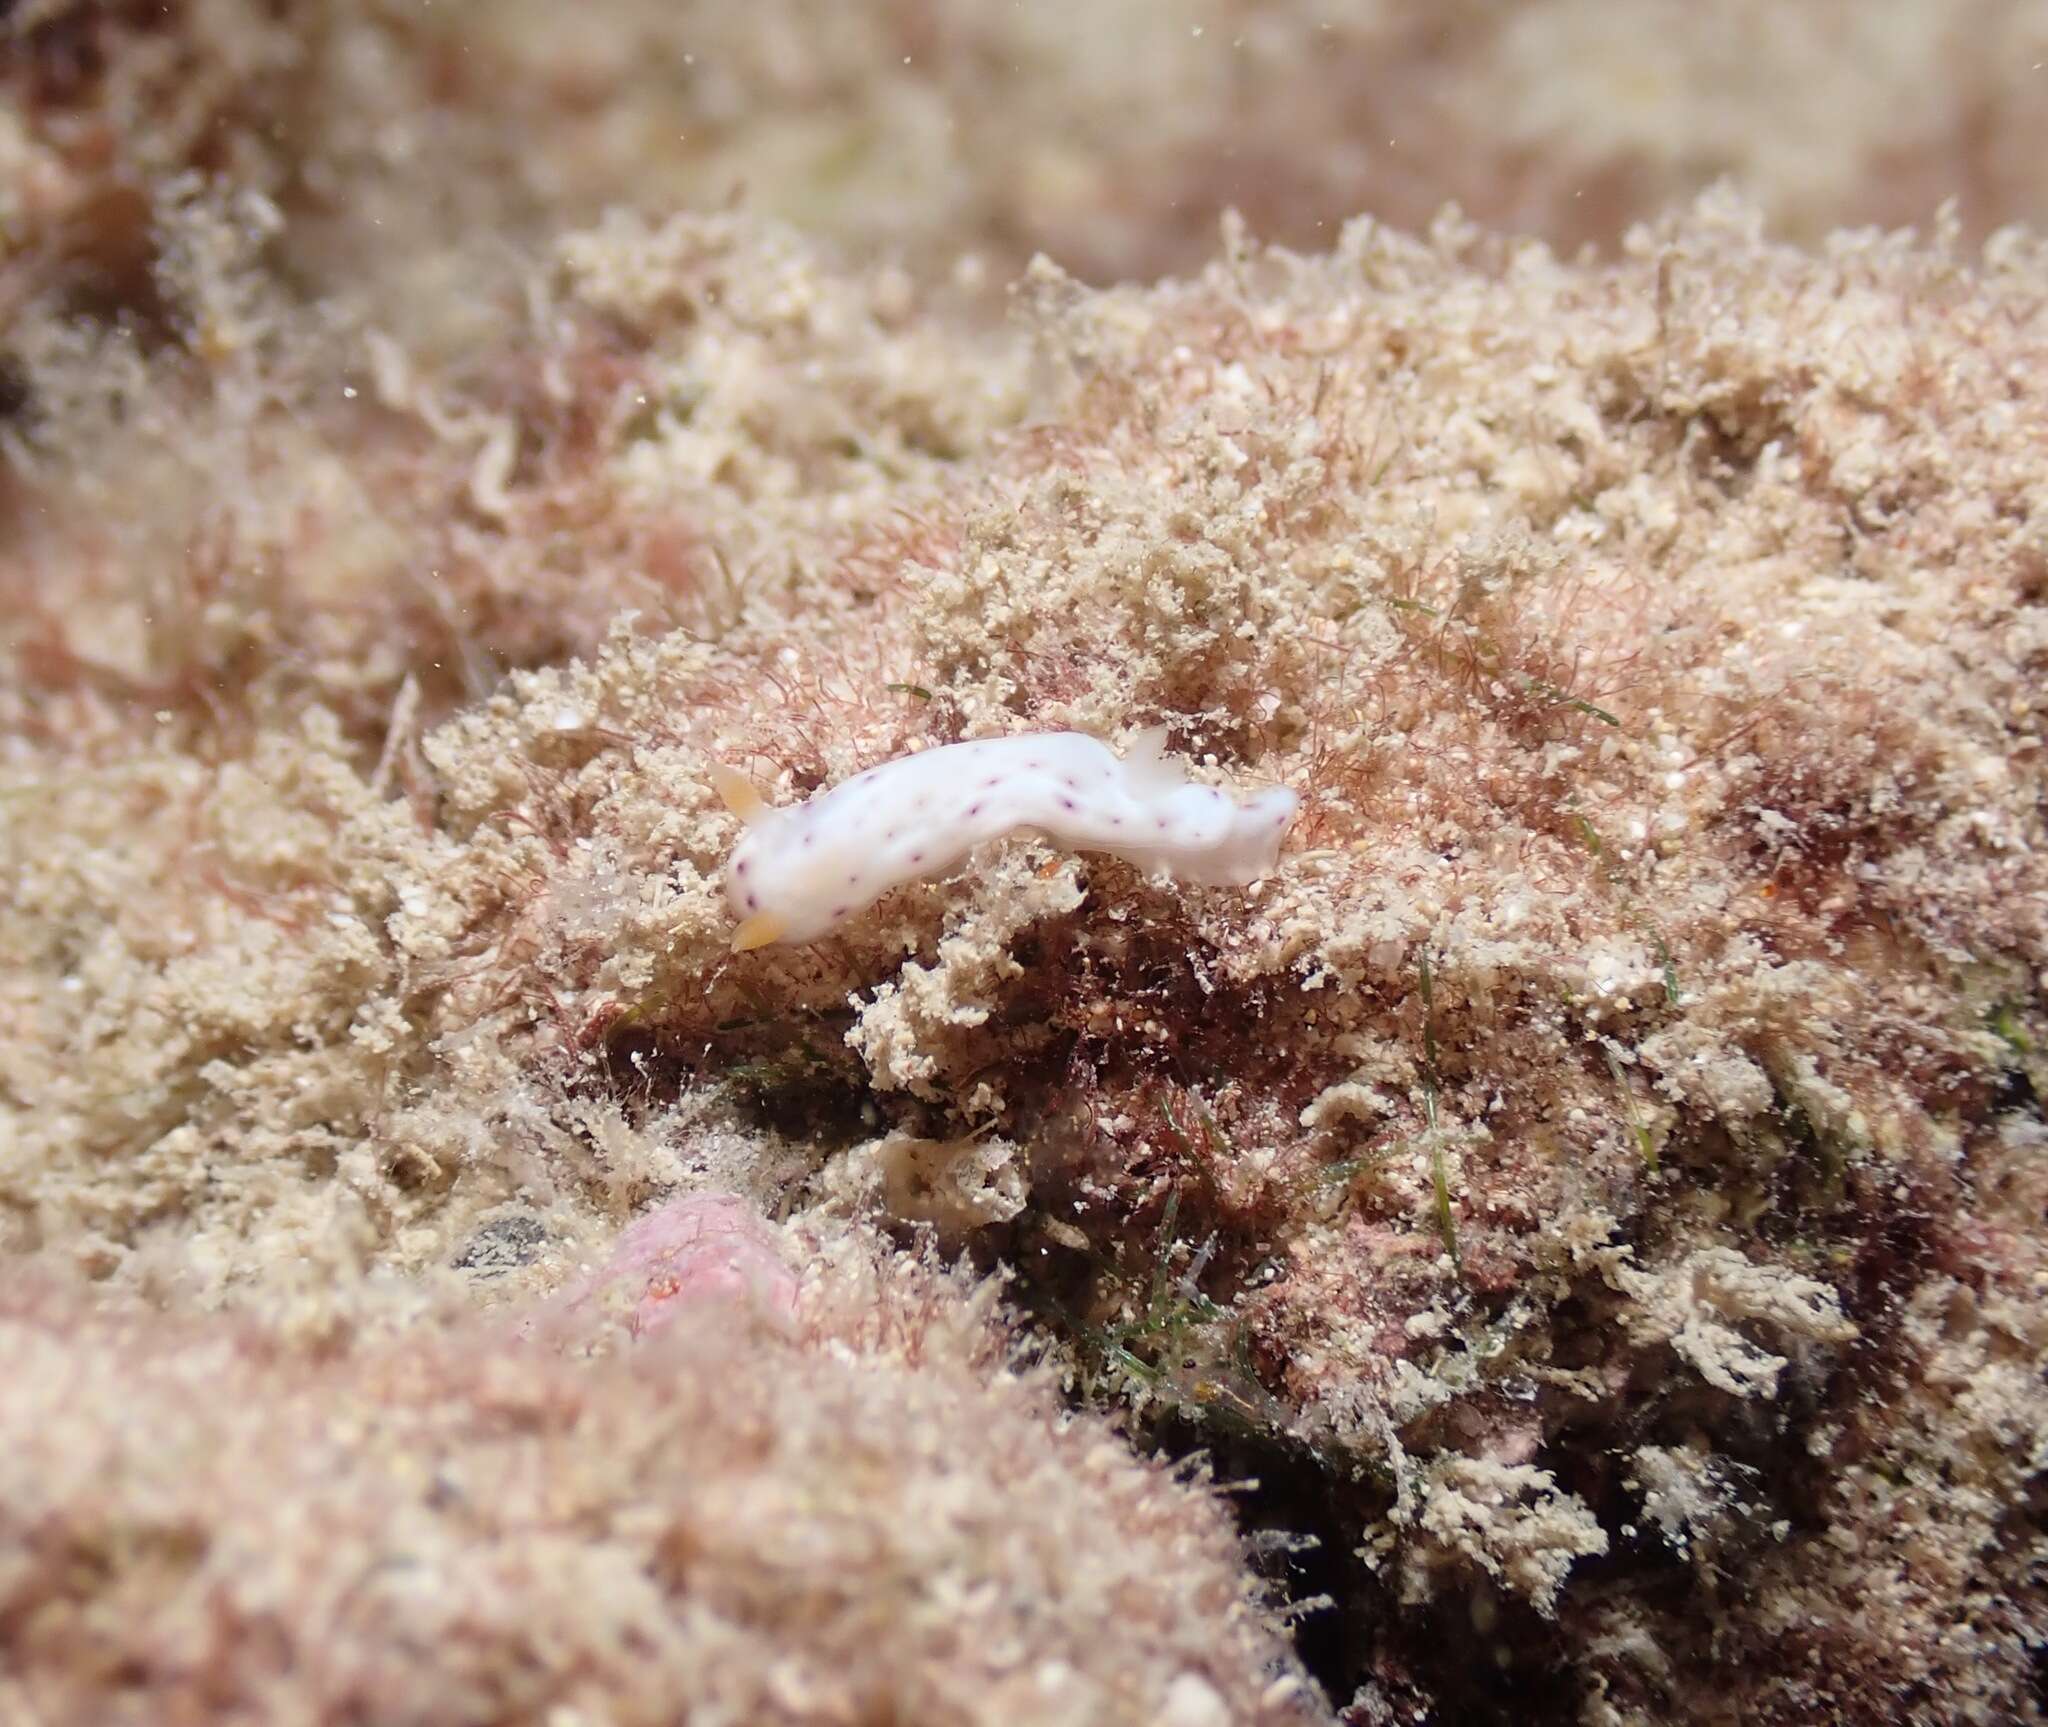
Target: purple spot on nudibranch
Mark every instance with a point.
(810, 839)
(740, 868)
(841, 910)
(991, 782)
(1162, 823)
(753, 904)
(1068, 804)
(974, 809)
(917, 857)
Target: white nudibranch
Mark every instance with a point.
(801, 871)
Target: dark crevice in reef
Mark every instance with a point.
(1303, 1523)
(1470, 1657)
(1473, 1653)
(797, 1080)
(2016, 1095)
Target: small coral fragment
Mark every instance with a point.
(955, 1185)
(1512, 1521)
(1696, 1307)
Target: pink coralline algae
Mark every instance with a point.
(707, 1248)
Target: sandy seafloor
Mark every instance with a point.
(1566, 1246)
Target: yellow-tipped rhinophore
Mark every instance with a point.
(737, 793)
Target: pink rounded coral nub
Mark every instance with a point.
(707, 1248)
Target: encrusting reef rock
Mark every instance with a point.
(1595, 1185)
(856, 1511)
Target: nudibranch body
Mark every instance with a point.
(799, 872)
